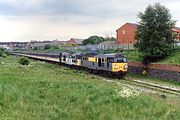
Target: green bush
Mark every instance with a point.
(24, 61)
(3, 52)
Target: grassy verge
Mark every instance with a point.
(173, 59)
(44, 91)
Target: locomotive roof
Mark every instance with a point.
(79, 53)
(65, 53)
(90, 54)
(109, 55)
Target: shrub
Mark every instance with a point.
(3, 52)
(24, 61)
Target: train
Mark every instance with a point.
(111, 64)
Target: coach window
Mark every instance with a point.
(105, 60)
(102, 59)
(64, 58)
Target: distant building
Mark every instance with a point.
(14, 45)
(75, 41)
(41, 44)
(126, 34)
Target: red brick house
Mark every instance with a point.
(177, 31)
(126, 34)
(75, 41)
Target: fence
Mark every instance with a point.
(102, 47)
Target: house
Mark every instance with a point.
(75, 41)
(177, 32)
(126, 34)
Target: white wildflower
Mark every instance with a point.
(126, 93)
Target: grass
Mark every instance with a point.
(132, 55)
(44, 91)
(174, 58)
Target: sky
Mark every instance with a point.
(26, 20)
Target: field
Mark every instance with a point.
(44, 91)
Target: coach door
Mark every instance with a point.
(99, 62)
(60, 57)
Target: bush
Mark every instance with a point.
(3, 52)
(24, 61)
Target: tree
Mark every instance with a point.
(48, 46)
(96, 40)
(154, 34)
(110, 39)
(93, 40)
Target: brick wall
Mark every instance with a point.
(162, 71)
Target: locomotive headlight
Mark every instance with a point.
(115, 66)
(125, 66)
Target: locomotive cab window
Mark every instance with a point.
(120, 59)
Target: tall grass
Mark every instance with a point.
(44, 91)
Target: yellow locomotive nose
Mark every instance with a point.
(116, 67)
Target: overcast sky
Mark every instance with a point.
(25, 20)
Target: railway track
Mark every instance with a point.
(157, 87)
(148, 86)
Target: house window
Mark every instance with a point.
(123, 32)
